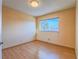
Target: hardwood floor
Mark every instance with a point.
(38, 50)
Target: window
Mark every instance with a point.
(49, 25)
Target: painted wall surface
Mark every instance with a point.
(18, 27)
(0, 28)
(0, 20)
(66, 34)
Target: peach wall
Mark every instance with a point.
(66, 34)
(18, 27)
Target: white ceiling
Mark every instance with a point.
(46, 6)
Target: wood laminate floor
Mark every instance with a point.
(38, 50)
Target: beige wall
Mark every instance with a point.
(18, 27)
(66, 34)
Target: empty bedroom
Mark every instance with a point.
(39, 29)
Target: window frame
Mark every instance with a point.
(50, 19)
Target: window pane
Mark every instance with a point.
(49, 24)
